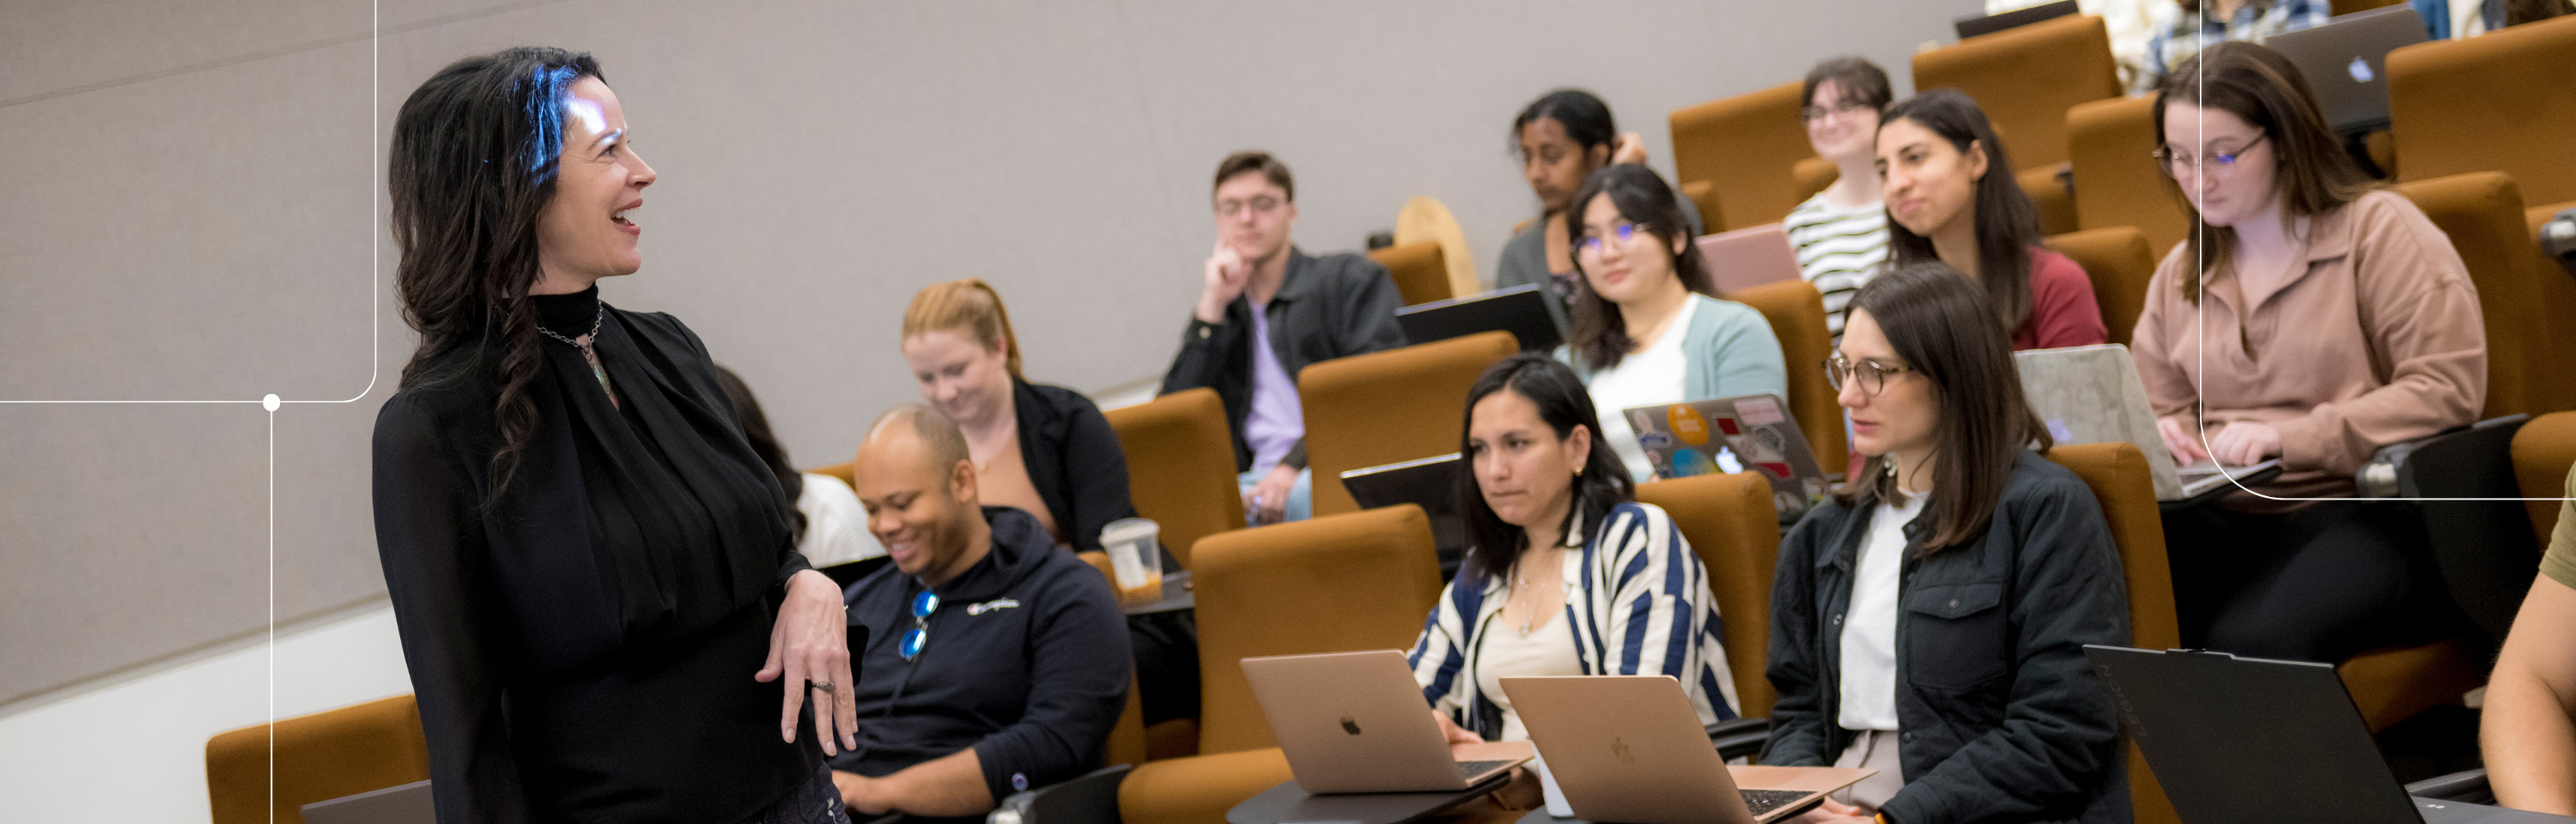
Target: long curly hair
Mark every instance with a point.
(473, 164)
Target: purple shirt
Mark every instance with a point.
(1276, 422)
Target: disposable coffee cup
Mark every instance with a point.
(1134, 560)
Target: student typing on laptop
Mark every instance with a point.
(1560, 557)
(1647, 329)
(1928, 621)
(2320, 321)
(995, 662)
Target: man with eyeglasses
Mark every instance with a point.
(993, 662)
(1265, 311)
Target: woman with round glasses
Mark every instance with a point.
(1952, 198)
(1562, 138)
(2312, 319)
(602, 606)
(1841, 233)
(1559, 552)
(1928, 620)
(1647, 326)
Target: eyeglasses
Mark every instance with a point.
(1871, 374)
(922, 606)
(1591, 244)
(1264, 204)
(1811, 114)
(2221, 164)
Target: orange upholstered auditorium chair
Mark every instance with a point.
(1733, 528)
(2110, 144)
(2026, 78)
(2483, 214)
(2117, 473)
(1735, 157)
(318, 757)
(2119, 262)
(1180, 466)
(1421, 272)
(1385, 407)
(1797, 316)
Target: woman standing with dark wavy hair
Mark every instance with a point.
(593, 572)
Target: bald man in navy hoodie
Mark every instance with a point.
(995, 662)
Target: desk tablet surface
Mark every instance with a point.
(1287, 804)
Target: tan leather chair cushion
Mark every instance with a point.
(1421, 273)
(1745, 147)
(2553, 392)
(2118, 475)
(2483, 214)
(2395, 684)
(1180, 466)
(2499, 102)
(319, 757)
(1813, 175)
(2120, 264)
(1732, 526)
(2111, 144)
(1384, 407)
(1198, 789)
(2025, 78)
(1797, 316)
(2050, 199)
(2542, 451)
(1338, 583)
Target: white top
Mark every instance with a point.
(1653, 376)
(1549, 650)
(836, 527)
(1869, 626)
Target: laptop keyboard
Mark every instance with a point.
(1471, 769)
(1762, 802)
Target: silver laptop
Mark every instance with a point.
(1749, 257)
(1742, 433)
(2091, 394)
(1630, 749)
(407, 804)
(2346, 62)
(1355, 722)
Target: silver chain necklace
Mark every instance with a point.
(588, 353)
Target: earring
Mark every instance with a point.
(1890, 462)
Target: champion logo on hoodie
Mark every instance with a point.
(992, 606)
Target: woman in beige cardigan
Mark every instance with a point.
(2311, 319)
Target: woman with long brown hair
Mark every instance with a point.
(2312, 318)
(1928, 620)
(1951, 197)
(601, 603)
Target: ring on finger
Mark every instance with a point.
(825, 686)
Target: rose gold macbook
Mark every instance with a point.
(1354, 722)
(1749, 257)
(1629, 748)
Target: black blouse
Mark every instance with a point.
(1073, 460)
(582, 647)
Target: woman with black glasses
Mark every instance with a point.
(1928, 621)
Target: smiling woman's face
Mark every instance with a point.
(584, 232)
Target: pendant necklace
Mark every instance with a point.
(589, 354)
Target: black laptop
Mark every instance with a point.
(2346, 62)
(1529, 312)
(1431, 483)
(1972, 26)
(2248, 739)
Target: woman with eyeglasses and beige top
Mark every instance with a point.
(1647, 326)
(1928, 620)
(2309, 318)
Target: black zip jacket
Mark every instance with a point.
(1073, 459)
(2001, 719)
(1329, 307)
(1026, 663)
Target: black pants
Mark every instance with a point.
(2318, 584)
(817, 801)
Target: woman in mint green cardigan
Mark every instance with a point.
(1646, 330)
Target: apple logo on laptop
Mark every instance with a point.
(1350, 726)
(1619, 750)
(2360, 69)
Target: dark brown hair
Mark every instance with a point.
(1600, 335)
(1944, 329)
(473, 164)
(1255, 160)
(2007, 224)
(1862, 82)
(1492, 545)
(2313, 175)
(755, 428)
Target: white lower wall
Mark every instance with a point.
(135, 750)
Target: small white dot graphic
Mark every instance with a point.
(269, 403)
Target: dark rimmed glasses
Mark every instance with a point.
(922, 606)
(1871, 374)
(2221, 164)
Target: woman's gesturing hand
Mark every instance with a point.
(810, 647)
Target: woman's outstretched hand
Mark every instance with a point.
(809, 647)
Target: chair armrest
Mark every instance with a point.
(1090, 799)
(1740, 738)
(2469, 786)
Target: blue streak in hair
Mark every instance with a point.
(546, 92)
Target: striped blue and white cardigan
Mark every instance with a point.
(1640, 604)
